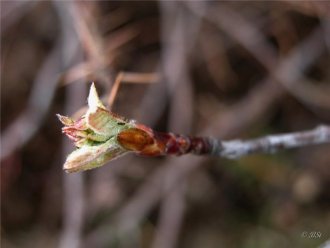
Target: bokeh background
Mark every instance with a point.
(222, 69)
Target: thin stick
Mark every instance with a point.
(114, 89)
(130, 77)
(139, 78)
(272, 143)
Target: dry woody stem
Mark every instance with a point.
(272, 143)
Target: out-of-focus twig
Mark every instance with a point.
(26, 125)
(217, 62)
(313, 8)
(171, 217)
(73, 201)
(114, 19)
(88, 68)
(240, 29)
(12, 11)
(289, 70)
(247, 35)
(73, 186)
(91, 39)
(139, 77)
(174, 59)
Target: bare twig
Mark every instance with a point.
(272, 143)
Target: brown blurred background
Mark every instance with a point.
(224, 69)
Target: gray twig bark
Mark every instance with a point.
(272, 143)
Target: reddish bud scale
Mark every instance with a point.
(179, 144)
(147, 142)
